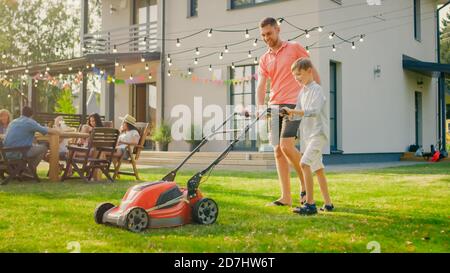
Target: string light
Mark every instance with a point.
(123, 68)
(70, 68)
(150, 76)
(247, 35)
(146, 67)
(233, 66)
(189, 71)
(307, 49)
(226, 49)
(250, 54)
(331, 36)
(142, 59)
(168, 57)
(196, 61)
(210, 67)
(210, 33)
(116, 63)
(256, 60)
(334, 48)
(102, 72)
(47, 69)
(255, 43)
(307, 34)
(170, 63)
(361, 39)
(92, 65)
(131, 77)
(178, 42)
(353, 45)
(320, 29)
(197, 52)
(221, 56)
(26, 70)
(169, 73)
(115, 49)
(3, 56)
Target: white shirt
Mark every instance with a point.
(312, 101)
(129, 137)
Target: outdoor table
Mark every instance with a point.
(54, 140)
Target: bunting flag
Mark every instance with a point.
(196, 79)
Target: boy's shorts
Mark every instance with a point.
(282, 127)
(312, 152)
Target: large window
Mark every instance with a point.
(146, 16)
(417, 21)
(244, 94)
(245, 3)
(333, 107)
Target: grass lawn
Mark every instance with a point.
(404, 209)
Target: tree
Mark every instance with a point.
(64, 104)
(38, 31)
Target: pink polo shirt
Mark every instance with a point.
(276, 66)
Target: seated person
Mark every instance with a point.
(5, 120)
(60, 125)
(21, 133)
(129, 135)
(93, 121)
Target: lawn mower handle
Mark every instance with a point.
(194, 182)
(171, 176)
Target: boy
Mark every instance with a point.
(314, 128)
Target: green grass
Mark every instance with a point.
(404, 209)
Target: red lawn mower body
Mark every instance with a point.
(163, 203)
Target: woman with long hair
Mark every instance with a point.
(5, 120)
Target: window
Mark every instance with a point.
(244, 94)
(145, 14)
(417, 21)
(192, 8)
(246, 3)
(333, 107)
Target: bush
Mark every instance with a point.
(162, 134)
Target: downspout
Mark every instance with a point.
(441, 85)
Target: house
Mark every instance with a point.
(377, 61)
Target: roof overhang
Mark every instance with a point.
(102, 61)
(425, 68)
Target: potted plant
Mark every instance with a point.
(162, 137)
(195, 137)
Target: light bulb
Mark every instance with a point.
(197, 52)
(146, 67)
(226, 49)
(210, 67)
(320, 29)
(307, 35)
(123, 68)
(353, 45)
(331, 36)
(196, 61)
(247, 35)
(334, 48)
(210, 33)
(249, 54)
(255, 43)
(115, 49)
(361, 39)
(221, 56)
(178, 42)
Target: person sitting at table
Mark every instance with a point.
(60, 125)
(5, 119)
(93, 121)
(21, 132)
(129, 135)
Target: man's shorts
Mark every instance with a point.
(282, 127)
(312, 152)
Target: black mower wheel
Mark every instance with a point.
(205, 211)
(137, 220)
(100, 211)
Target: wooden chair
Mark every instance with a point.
(13, 164)
(133, 151)
(98, 154)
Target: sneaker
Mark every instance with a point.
(327, 208)
(303, 197)
(306, 209)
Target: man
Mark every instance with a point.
(275, 65)
(21, 133)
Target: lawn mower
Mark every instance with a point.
(163, 203)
